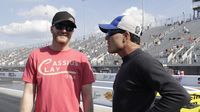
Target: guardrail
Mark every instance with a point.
(10, 76)
(102, 95)
(188, 80)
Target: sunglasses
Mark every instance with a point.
(113, 32)
(61, 26)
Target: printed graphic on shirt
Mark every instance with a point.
(56, 67)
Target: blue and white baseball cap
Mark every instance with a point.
(125, 22)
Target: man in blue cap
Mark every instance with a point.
(140, 76)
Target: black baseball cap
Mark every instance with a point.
(63, 16)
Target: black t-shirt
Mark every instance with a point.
(139, 79)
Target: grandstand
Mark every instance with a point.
(172, 44)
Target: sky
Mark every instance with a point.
(25, 22)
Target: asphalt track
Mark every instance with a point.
(11, 102)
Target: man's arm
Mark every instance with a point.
(28, 97)
(173, 95)
(87, 98)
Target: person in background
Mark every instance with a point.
(56, 76)
(140, 76)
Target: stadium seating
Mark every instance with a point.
(171, 44)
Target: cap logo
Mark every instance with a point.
(71, 19)
(137, 29)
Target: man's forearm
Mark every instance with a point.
(88, 105)
(28, 98)
(87, 98)
(26, 104)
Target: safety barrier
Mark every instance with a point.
(102, 95)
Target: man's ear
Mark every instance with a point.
(127, 36)
(51, 28)
(123, 41)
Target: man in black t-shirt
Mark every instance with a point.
(140, 76)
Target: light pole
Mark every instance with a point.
(142, 15)
(84, 19)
